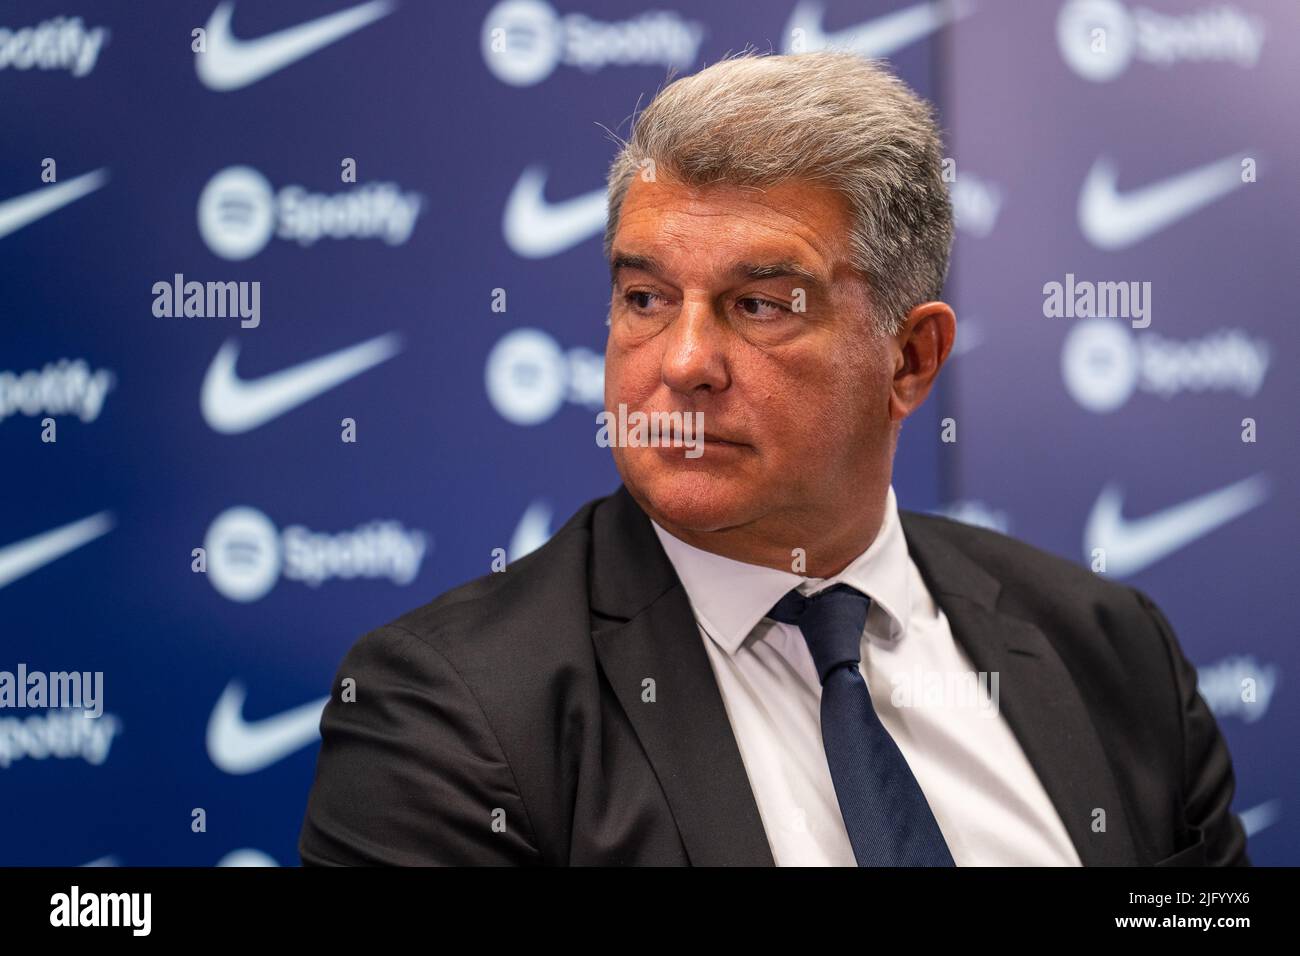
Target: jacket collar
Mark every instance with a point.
(730, 597)
(1039, 697)
(644, 630)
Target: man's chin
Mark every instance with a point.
(694, 501)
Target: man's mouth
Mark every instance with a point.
(706, 437)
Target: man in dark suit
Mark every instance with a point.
(749, 654)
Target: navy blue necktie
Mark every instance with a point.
(884, 810)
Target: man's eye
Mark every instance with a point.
(640, 300)
(761, 308)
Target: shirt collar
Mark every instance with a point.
(730, 597)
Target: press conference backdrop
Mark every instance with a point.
(408, 198)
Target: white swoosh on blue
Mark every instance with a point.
(229, 63)
(878, 37)
(21, 210)
(1133, 545)
(1261, 816)
(1112, 220)
(239, 747)
(533, 530)
(232, 406)
(536, 229)
(23, 557)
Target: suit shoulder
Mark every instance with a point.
(1020, 565)
(549, 581)
(1092, 620)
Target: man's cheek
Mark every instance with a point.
(794, 440)
(617, 372)
(631, 378)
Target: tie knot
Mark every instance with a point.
(831, 622)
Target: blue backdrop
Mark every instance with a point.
(416, 190)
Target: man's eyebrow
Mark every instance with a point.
(783, 268)
(627, 260)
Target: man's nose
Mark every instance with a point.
(694, 354)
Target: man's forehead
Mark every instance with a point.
(792, 199)
(793, 222)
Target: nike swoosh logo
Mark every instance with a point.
(1261, 816)
(232, 406)
(231, 64)
(533, 531)
(879, 37)
(21, 210)
(1133, 545)
(535, 228)
(23, 557)
(239, 747)
(247, 856)
(1111, 220)
(970, 335)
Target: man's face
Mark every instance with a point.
(705, 317)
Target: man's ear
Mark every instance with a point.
(923, 345)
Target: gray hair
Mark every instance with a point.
(830, 118)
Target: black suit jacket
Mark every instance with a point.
(504, 723)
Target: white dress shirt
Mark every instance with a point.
(986, 798)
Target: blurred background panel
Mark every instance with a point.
(417, 191)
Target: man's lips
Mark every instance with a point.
(706, 440)
(709, 438)
(699, 431)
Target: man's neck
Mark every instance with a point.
(803, 545)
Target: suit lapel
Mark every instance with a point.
(643, 629)
(1037, 695)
